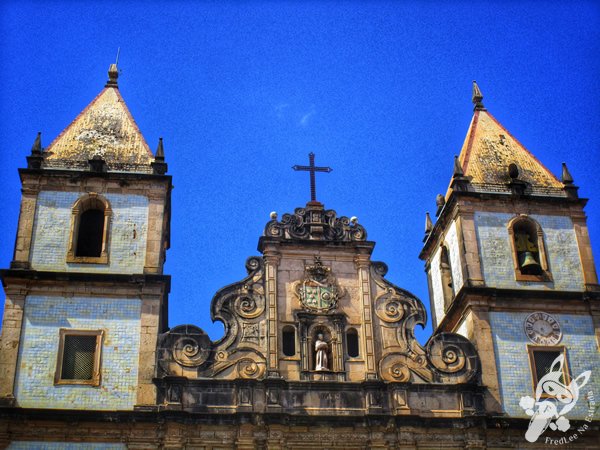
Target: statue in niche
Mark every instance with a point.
(321, 347)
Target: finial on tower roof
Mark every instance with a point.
(113, 71)
(35, 160)
(477, 97)
(160, 151)
(37, 145)
(566, 175)
(440, 201)
(428, 226)
(428, 223)
(458, 171)
(567, 181)
(159, 166)
(459, 181)
(113, 74)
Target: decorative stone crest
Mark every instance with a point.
(318, 291)
(315, 223)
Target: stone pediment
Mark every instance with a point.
(318, 300)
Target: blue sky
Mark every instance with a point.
(241, 91)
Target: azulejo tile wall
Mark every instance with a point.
(44, 317)
(512, 358)
(497, 260)
(126, 243)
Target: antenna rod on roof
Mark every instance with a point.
(117, 60)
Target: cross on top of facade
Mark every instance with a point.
(312, 169)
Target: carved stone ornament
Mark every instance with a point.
(184, 345)
(315, 223)
(187, 351)
(318, 291)
(448, 357)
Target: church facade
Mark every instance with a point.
(318, 349)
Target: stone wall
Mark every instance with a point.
(44, 317)
(126, 242)
(40, 445)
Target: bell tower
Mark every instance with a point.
(85, 293)
(509, 265)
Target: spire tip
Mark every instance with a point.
(477, 97)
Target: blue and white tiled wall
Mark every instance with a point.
(126, 249)
(512, 358)
(44, 317)
(497, 260)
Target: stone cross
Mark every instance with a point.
(312, 169)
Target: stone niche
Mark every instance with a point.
(331, 326)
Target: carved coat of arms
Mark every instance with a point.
(318, 291)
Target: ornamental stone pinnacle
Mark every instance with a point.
(159, 166)
(566, 175)
(35, 160)
(428, 226)
(113, 75)
(477, 98)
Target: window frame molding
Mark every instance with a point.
(82, 204)
(546, 275)
(533, 369)
(96, 372)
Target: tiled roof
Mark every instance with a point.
(106, 128)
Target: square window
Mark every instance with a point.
(541, 359)
(79, 357)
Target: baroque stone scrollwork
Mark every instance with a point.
(250, 307)
(187, 351)
(453, 357)
(184, 345)
(248, 368)
(314, 223)
(448, 358)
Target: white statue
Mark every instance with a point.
(321, 348)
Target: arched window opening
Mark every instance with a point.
(526, 238)
(289, 341)
(446, 272)
(90, 227)
(527, 248)
(90, 233)
(352, 341)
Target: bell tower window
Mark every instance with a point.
(89, 234)
(529, 253)
(446, 274)
(90, 224)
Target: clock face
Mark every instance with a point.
(542, 329)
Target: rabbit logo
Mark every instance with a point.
(553, 400)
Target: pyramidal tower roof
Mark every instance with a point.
(104, 129)
(490, 154)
